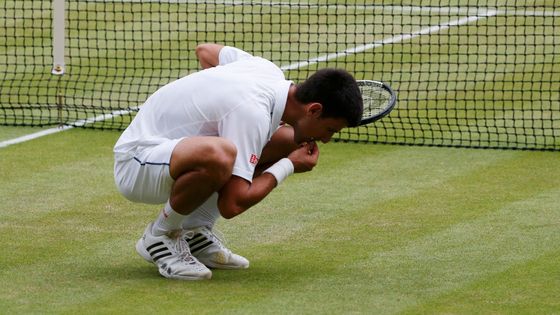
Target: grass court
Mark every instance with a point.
(374, 229)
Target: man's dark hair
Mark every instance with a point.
(337, 91)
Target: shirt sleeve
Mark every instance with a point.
(248, 129)
(230, 54)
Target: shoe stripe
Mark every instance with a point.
(161, 256)
(195, 251)
(198, 238)
(159, 250)
(200, 246)
(154, 245)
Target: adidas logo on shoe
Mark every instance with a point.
(211, 251)
(171, 255)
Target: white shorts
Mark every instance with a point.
(143, 176)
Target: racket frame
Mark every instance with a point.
(390, 104)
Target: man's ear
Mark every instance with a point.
(315, 109)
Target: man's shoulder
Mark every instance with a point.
(230, 54)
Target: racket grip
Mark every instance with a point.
(281, 170)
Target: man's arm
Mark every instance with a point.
(208, 55)
(238, 194)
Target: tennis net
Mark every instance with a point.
(467, 73)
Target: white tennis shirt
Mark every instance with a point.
(242, 100)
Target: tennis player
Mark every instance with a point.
(215, 143)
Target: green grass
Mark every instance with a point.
(372, 230)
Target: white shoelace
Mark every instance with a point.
(182, 248)
(218, 238)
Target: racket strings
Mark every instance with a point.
(375, 100)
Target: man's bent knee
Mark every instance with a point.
(215, 156)
(221, 157)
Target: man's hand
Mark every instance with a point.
(305, 157)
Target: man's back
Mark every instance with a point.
(196, 104)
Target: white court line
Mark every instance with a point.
(77, 123)
(389, 40)
(32, 136)
(297, 65)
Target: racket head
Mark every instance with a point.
(379, 100)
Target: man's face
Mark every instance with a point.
(315, 128)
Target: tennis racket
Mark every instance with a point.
(379, 100)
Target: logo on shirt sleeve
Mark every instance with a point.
(254, 159)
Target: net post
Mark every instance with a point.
(58, 37)
(59, 20)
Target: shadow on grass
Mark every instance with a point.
(273, 270)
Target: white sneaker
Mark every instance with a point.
(171, 255)
(210, 250)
